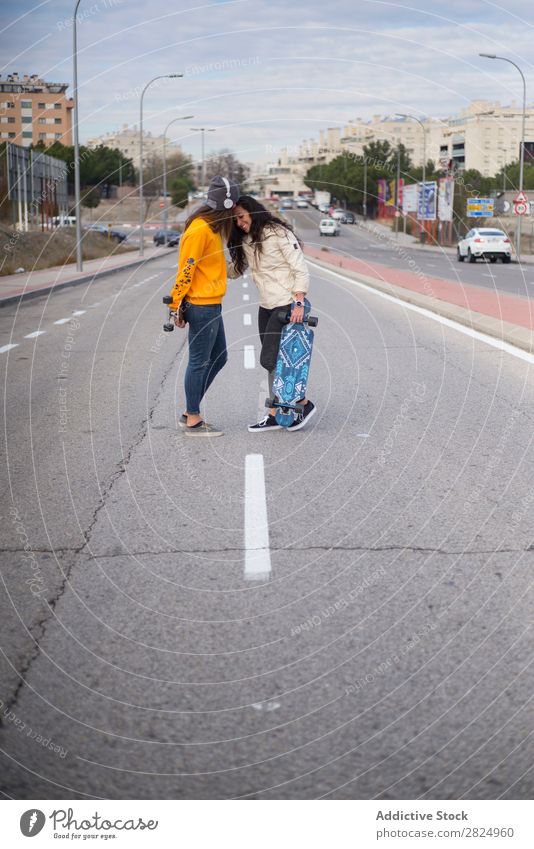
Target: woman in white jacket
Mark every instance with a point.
(268, 247)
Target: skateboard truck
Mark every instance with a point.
(285, 317)
(285, 408)
(169, 325)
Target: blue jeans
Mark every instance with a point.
(207, 351)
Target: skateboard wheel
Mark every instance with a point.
(167, 299)
(168, 327)
(269, 402)
(313, 321)
(283, 316)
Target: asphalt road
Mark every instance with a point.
(385, 653)
(357, 241)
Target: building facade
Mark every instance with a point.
(33, 110)
(485, 136)
(127, 141)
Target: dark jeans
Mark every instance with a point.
(270, 329)
(207, 351)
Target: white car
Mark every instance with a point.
(329, 227)
(338, 214)
(486, 242)
(302, 204)
(323, 207)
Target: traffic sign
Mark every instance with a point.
(480, 208)
(520, 208)
(521, 198)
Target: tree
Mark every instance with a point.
(101, 166)
(180, 188)
(228, 165)
(91, 198)
(179, 165)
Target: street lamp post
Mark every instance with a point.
(181, 118)
(522, 148)
(203, 130)
(413, 118)
(141, 213)
(79, 255)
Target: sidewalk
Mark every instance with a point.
(509, 318)
(16, 287)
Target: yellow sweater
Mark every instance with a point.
(201, 266)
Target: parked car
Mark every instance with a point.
(348, 217)
(64, 221)
(302, 204)
(329, 227)
(104, 229)
(486, 242)
(173, 237)
(338, 214)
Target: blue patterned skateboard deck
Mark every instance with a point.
(292, 368)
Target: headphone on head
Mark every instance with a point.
(228, 202)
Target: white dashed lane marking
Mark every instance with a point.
(257, 554)
(79, 312)
(249, 356)
(247, 319)
(246, 297)
(35, 334)
(5, 348)
(63, 320)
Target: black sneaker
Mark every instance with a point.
(267, 423)
(303, 417)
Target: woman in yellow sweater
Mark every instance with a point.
(197, 294)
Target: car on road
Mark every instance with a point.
(287, 204)
(173, 237)
(323, 207)
(302, 204)
(329, 227)
(105, 230)
(338, 214)
(348, 217)
(486, 242)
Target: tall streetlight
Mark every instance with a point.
(181, 118)
(522, 148)
(79, 255)
(413, 118)
(141, 215)
(203, 130)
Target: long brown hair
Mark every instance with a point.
(263, 222)
(220, 220)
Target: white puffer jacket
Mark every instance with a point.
(279, 270)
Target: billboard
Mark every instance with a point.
(428, 193)
(409, 198)
(446, 198)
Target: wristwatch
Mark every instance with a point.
(299, 303)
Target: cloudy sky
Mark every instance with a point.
(270, 73)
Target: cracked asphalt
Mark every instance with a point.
(389, 653)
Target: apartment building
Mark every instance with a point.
(33, 110)
(485, 136)
(127, 141)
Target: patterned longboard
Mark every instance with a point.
(293, 367)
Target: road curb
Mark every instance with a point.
(519, 337)
(65, 284)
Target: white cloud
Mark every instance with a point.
(273, 73)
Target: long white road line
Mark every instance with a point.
(447, 322)
(257, 554)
